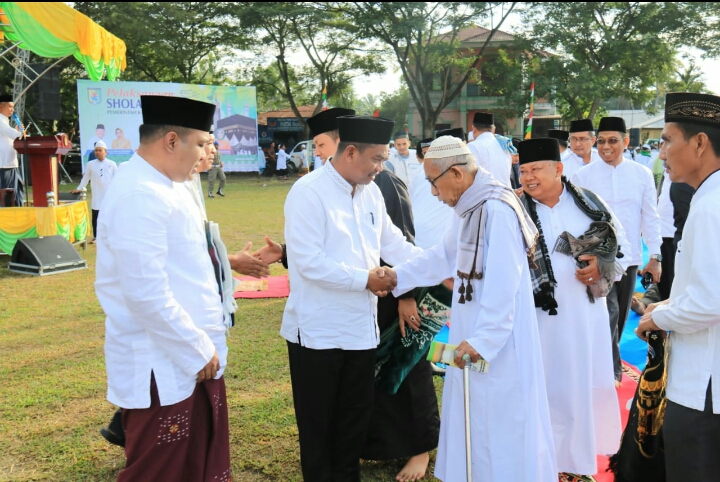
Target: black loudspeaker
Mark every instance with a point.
(47, 93)
(44, 256)
(634, 137)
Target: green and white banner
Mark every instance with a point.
(110, 111)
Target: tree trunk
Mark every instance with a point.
(593, 109)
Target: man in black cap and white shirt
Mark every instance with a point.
(582, 139)
(562, 138)
(8, 155)
(691, 428)
(629, 189)
(486, 149)
(165, 347)
(403, 163)
(571, 310)
(336, 229)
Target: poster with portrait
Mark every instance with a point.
(110, 111)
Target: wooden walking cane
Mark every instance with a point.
(466, 384)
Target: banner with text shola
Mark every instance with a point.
(111, 111)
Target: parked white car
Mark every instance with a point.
(301, 158)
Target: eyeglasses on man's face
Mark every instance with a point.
(580, 139)
(612, 141)
(432, 181)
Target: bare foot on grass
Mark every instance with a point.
(415, 468)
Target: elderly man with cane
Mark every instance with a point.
(486, 252)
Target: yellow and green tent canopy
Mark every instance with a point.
(55, 30)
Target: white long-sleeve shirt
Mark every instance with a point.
(155, 282)
(572, 163)
(282, 158)
(693, 312)
(665, 209)
(333, 239)
(99, 174)
(629, 190)
(404, 167)
(431, 217)
(8, 155)
(489, 155)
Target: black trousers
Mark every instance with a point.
(692, 442)
(618, 303)
(95, 213)
(667, 250)
(333, 393)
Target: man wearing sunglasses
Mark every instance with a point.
(629, 189)
(582, 139)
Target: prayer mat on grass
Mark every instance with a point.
(270, 287)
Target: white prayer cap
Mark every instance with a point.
(101, 144)
(447, 146)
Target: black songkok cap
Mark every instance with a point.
(6, 98)
(615, 124)
(582, 125)
(692, 108)
(365, 129)
(540, 149)
(164, 110)
(401, 135)
(483, 119)
(421, 144)
(326, 120)
(458, 132)
(558, 134)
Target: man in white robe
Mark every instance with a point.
(575, 340)
(581, 153)
(691, 428)
(629, 189)
(510, 420)
(486, 149)
(403, 163)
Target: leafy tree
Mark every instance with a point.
(395, 106)
(171, 42)
(335, 57)
(423, 38)
(604, 50)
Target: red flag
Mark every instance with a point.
(377, 113)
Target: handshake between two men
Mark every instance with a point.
(382, 280)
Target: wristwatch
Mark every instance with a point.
(657, 257)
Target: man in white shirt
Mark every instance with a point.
(493, 317)
(431, 217)
(486, 149)
(629, 189)
(165, 348)
(574, 333)
(282, 158)
(99, 173)
(337, 228)
(8, 155)
(403, 163)
(581, 153)
(562, 138)
(691, 428)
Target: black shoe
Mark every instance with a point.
(221, 193)
(210, 194)
(112, 437)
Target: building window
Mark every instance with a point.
(474, 90)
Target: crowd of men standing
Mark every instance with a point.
(536, 281)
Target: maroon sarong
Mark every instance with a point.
(187, 441)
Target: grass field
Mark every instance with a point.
(52, 397)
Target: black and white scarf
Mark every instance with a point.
(599, 240)
(473, 215)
